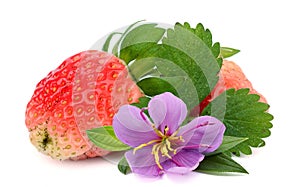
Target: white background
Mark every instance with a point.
(36, 36)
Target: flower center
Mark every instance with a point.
(163, 145)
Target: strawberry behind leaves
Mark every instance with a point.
(84, 92)
(232, 76)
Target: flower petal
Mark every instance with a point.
(167, 110)
(142, 162)
(204, 133)
(184, 161)
(131, 127)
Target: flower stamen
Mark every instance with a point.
(168, 143)
(175, 133)
(164, 151)
(166, 130)
(158, 132)
(144, 145)
(156, 156)
(163, 145)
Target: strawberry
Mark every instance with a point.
(230, 76)
(84, 92)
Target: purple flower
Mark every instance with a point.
(161, 145)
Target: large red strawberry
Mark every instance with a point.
(84, 92)
(230, 76)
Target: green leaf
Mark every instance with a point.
(219, 164)
(228, 52)
(199, 51)
(152, 65)
(184, 61)
(140, 39)
(161, 86)
(228, 143)
(123, 166)
(206, 36)
(190, 68)
(143, 102)
(216, 49)
(244, 116)
(108, 40)
(105, 138)
(115, 49)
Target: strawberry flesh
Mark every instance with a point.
(84, 92)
